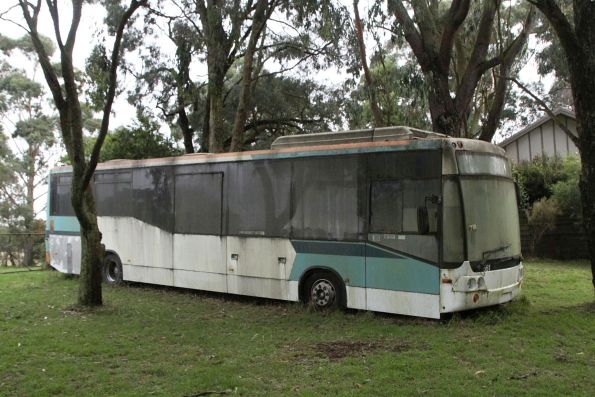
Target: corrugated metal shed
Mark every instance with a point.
(542, 138)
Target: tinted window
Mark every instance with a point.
(60, 203)
(327, 199)
(405, 165)
(259, 198)
(198, 203)
(386, 209)
(394, 205)
(153, 196)
(113, 194)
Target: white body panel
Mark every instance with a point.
(65, 253)
(260, 257)
(137, 243)
(401, 302)
(200, 280)
(199, 253)
(356, 297)
(149, 275)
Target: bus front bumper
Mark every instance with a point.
(463, 289)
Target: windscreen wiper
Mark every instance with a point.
(486, 254)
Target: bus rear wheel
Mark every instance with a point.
(324, 291)
(112, 270)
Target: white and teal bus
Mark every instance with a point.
(393, 220)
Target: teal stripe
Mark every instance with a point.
(404, 274)
(373, 267)
(65, 224)
(350, 268)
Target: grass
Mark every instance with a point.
(15, 269)
(158, 341)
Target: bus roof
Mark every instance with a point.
(319, 144)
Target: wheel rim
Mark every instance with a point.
(113, 272)
(322, 293)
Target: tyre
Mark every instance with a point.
(324, 291)
(112, 270)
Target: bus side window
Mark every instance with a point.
(386, 207)
(394, 206)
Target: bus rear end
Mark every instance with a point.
(482, 263)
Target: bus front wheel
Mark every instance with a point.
(112, 270)
(324, 291)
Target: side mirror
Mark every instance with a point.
(423, 220)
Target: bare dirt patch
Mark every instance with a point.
(338, 350)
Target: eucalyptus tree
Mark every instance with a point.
(32, 128)
(223, 51)
(576, 31)
(65, 93)
(456, 44)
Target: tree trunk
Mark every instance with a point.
(261, 15)
(361, 45)
(30, 215)
(187, 131)
(92, 251)
(445, 118)
(206, 128)
(216, 118)
(583, 88)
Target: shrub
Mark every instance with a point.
(538, 176)
(542, 219)
(566, 192)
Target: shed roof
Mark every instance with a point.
(536, 124)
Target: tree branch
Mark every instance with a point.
(456, 16)
(541, 103)
(111, 92)
(561, 25)
(412, 35)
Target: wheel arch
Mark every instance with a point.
(318, 269)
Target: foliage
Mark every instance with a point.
(23, 104)
(298, 38)
(519, 179)
(551, 177)
(538, 176)
(542, 219)
(401, 93)
(466, 51)
(140, 140)
(180, 343)
(566, 191)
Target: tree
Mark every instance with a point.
(140, 140)
(453, 65)
(66, 99)
(576, 32)
(401, 93)
(32, 128)
(304, 35)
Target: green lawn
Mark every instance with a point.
(156, 341)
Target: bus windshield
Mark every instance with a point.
(491, 218)
(490, 208)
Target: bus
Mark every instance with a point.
(394, 220)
